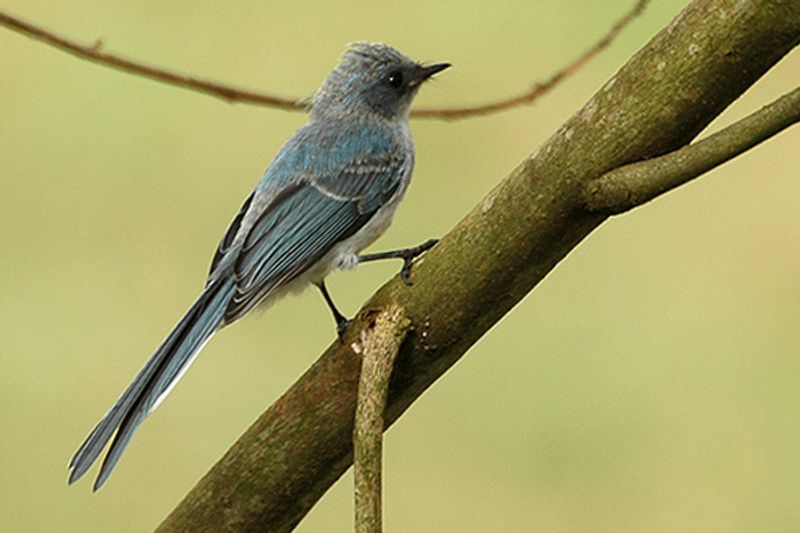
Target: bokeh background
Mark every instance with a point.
(650, 383)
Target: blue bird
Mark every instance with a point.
(331, 191)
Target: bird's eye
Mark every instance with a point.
(395, 79)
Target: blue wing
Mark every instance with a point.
(226, 244)
(302, 222)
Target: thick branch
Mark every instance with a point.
(94, 54)
(660, 100)
(632, 185)
(380, 344)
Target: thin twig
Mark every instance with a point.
(380, 344)
(93, 53)
(632, 185)
(538, 89)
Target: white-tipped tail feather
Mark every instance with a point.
(154, 382)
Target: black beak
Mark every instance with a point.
(427, 72)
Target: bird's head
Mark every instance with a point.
(373, 78)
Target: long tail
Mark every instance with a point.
(153, 382)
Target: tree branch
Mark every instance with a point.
(94, 54)
(632, 185)
(660, 100)
(380, 344)
(538, 89)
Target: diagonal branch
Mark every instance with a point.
(94, 53)
(660, 100)
(632, 185)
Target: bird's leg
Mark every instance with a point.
(341, 321)
(406, 254)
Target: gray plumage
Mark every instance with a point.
(330, 191)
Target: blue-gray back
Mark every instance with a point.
(324, 185)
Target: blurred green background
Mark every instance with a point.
(650, 383)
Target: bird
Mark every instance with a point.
(329, 192)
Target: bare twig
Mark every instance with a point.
(632, 185)
(380, 344)
(93, 53)
(538, 89)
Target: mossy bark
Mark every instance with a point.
(632, 185)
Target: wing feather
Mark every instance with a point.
(227, 240)
(304, 221)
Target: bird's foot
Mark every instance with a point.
(342, 324)
(409, 254)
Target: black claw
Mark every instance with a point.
(412, 253)
(427, 245)
(341, 328)
(407, 255)
(405, 273)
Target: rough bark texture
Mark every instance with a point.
(667, 93)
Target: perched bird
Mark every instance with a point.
(329, 192)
